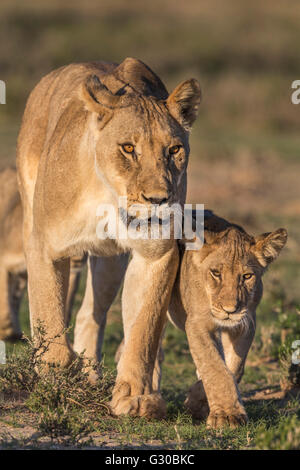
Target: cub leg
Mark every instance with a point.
(236, 344)
(103, 282)
(225, 405)
(47, 289)
(146, 294)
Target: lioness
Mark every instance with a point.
(214, 299)
(92, 133)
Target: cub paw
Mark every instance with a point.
(150, 406)
(222, 419)
(199, 409)
(196, 402)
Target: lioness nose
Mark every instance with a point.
(156, 198)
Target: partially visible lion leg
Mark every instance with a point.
(76, 266)
(196, 401)
(104, 278)
(144, 315)
(119, 351)
(157, 372)
(236, 345)
(17, 286)
(47, 288)
(9, 326)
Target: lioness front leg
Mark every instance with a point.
(147, 289)
(225, 405)
(104, 278)
(47, 288)
(157, 372)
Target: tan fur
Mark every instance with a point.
(12, 261)
(13, 273)
(219, 314)
(70, 159)
(216, 307)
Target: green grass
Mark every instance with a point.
(273, 420)
(65, 410)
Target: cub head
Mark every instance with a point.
(140, 133)
(232, 264)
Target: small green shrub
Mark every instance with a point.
(66, 402)
(286, 436)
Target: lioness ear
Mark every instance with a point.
(184, 101)
(268, 246)
(97, 96)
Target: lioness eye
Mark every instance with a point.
(128, 148)
(215, 273)
(174, 149)
(247, 276)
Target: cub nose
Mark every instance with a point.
(156, 198)
(230, 308)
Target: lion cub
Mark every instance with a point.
(214, 299)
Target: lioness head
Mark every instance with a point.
(232, 264)
(140, 132)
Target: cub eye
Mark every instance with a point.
(128, 148)
(174, 149)
(248, 276)
(215, 273)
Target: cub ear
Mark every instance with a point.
(184, 101)
(269, 245)
(97, 97)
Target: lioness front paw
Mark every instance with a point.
(149, 406)
(220, 419)
(59, 354)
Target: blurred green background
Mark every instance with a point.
(246, 143)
